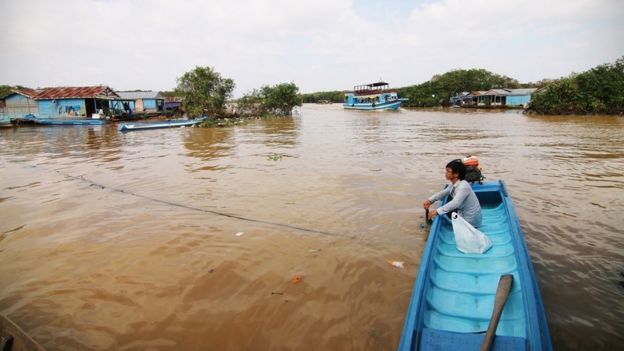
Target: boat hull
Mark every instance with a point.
(373, 107)
(158, 125)
(69, 122)
(453, 298)
(64, 121)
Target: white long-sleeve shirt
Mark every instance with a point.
(464, 201)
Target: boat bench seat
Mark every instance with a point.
(439, 340)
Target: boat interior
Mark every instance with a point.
(462, 287)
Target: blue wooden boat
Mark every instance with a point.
(64, 121)
(372, 97)
(158, 125)
(453, 298)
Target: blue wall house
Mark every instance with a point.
(20, 103)
(140, 101)
(519, 97)
(68, 102)
(494, 98)
(509, 97)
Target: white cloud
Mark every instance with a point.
(320, 45)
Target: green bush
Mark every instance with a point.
(597, 91)
(276, 100)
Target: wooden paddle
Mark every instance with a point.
(502, 292)
(429, 221)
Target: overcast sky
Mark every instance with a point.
(319, 45)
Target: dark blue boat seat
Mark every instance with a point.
(440, 340)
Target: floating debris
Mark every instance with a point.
(239, 233)
(397, 264)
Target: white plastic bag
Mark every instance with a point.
(468, 238)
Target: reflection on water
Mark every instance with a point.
(187, 238)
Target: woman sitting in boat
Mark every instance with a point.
(462, 198)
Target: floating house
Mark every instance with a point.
(20, 103)
(67, 102)
(494, 98)
(140, 101)
(519, 97)
(60, 102)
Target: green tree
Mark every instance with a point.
(204, 91)
(440, 88)
(599, 90)
(280, 99)
(331, 96)
(5, 90)
(251, 104)
(8, 89)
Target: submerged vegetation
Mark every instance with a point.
(204, 92)
(597, 91)
(275, 100)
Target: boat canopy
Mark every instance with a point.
(372, 88)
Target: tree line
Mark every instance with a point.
(599, 90)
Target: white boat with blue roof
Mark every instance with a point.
(372, 97)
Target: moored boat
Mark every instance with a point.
(126, 127)
(454, 295)
(65, 121)
(371, 97)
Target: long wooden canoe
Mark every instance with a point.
(453, 298)
(125, 127)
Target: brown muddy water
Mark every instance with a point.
(276, 235)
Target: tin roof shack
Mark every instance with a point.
(64, 102)
(142, 101)
(20, 103)
(520, 97)
(495, 97)
(476, 98)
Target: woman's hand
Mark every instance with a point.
(432, 214)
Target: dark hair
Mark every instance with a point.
(457, 166)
